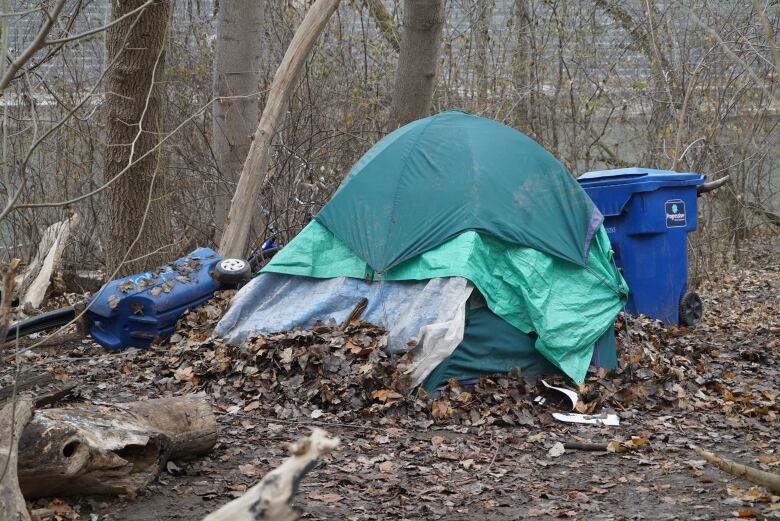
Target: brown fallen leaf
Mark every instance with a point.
(185, 374)
(252, 406)
(441, 410)
(250, 469)
(388, 467)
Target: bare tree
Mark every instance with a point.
(415, 78)
(137, 200)
(237, 61)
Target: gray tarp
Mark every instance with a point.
(429, 312)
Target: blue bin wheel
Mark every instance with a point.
(691, 309)
(232, 271)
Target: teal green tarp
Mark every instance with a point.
(567, 306)
(434, 178)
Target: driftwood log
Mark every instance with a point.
(13, 418)
(270, 499)
(110, 449)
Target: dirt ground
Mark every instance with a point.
(487, 452)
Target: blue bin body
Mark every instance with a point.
(648, 215)
(134, 310)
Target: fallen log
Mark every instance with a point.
(24, 382)
(111, 449)
(270, 499)
(42, 388)
(13, 418)
(768, 480)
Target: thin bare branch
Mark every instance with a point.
(38, 42)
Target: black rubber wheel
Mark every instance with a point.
(691, 309)
(232, 271)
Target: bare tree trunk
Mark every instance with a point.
(255, 171)
(418, 61)
(663, 74)
(237, 60)
(136, 202)
(523, 67)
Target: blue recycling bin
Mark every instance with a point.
(648, 215)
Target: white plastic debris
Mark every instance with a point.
(591, 419)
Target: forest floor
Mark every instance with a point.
(487, 452)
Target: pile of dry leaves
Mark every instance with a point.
(341, 371)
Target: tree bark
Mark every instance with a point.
(237, 60)
(111, 449)
(418, 62)
(13, 418)
(136, 203)
(255, 171)
(523, 67)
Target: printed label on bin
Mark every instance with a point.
(675, 214)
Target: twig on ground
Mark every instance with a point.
(759, 477)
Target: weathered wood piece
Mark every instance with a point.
(36, 278)
(766, 479)
(270, 499)
(53, 394)
(111, 449)
(42, 388)
(13, 418)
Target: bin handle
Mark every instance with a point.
(712, 185)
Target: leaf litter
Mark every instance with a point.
(471, 452)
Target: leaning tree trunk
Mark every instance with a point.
(137, 221)
(237, 59)
(415, 78)
(254, 173)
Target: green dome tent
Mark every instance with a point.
(455, 195)
(436, 177)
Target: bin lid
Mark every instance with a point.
(645, 178)
(612, 189)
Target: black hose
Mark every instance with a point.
(42, 322)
